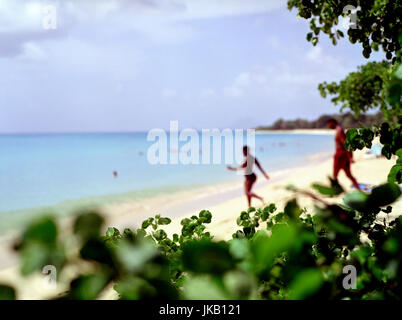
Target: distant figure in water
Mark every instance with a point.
(251, 178)
(342, 158)
(115, 174)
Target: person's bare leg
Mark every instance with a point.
(336, 170)
(247, 192)
(253, 195)
(352, 178)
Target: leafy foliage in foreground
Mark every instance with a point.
(378, 22)
(274, 255)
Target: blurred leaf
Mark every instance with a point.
(96, 250)
(384, 195)
(43, 230)
(241, 285)
(292, 209)
(135, 256)
(334, 190)
(356, 200)
(203, 288)
(239, 248)
(305, 284)
(88, 287)
(265, 248)
(35, 255)
(88, 225)
(7, 293)
(395, 175)
(207, 257)
(112, 232)
(135, 288)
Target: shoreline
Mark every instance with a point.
(193, 201)
(17, 219)
(176, 204)
(225, 205)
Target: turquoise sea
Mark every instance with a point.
(47, 169)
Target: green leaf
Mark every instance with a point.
(147, 223)
(164, 221)
(134, 257)
(356, 200)
(395, 175)
(292, 209)
(141, 233)
(264, 249)
(305, 284)
(251, 209)
(207, 257)
(203, 288)
(88, 225)
(112, 232)
(128, 234)
(398, 72)
(43, 230)
(334, 190)
(160, 235)
(88, 287)
(384, 195)
(206, 215)
(239, 248)
(35, 255)
(7, 293)
(239, 284)
(135, 288)
(96, 250)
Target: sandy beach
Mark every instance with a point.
(225, 201)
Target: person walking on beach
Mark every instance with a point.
(251, 178)
(342, 158)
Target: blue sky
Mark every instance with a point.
(134, 65)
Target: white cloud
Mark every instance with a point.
(180, 9)
(159, 20)
(198, 9)
(286, 81)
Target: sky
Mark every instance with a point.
(136, 65)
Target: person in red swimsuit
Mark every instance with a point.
(342, 158)
(249, 174)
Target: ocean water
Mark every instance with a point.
(46, 169)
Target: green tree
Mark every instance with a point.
(378, 22)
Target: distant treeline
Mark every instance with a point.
(346, 120)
